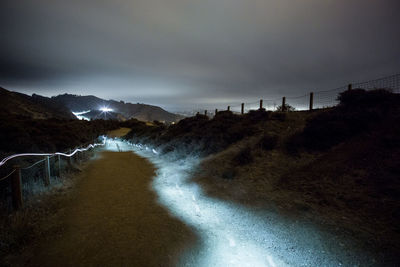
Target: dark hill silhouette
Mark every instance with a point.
(35, 107)
(127, 110)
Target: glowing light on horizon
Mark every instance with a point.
(106, 109)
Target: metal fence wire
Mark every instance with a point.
(39, 176)
(320, 99)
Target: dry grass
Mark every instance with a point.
(349, 184)
(21, 231)
(118, 132)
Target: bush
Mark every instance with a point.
(244, 157)
(287, 108)
(258, 115)
(359, 111)
(268, 142)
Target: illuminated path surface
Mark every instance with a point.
(113, 219)
(231, 235)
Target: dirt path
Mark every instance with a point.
(114, 220)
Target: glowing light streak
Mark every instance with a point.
(52, 154)
(79, 115)
(81, 112)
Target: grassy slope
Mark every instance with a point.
(337, 166)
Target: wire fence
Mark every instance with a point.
(312, 100)
(22, 177)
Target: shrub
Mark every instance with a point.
(244, 157)
(287, 108)
(268, 142)
(229, 174)
(258, 115)
(359, 111)
(280, 116)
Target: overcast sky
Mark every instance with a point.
(194, 53)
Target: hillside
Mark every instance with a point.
(40, 124)
(337, 167)
(141, 112)
(35, 107)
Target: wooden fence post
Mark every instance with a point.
(283, 103)
(229, 108)
(47, 171)
(16, 188)
(349, 87)
(205, 112)
(69, 159)
(242, 110)
(311, 100)
(216, 111)
(76, 159)
(59, 166)
(261, 103)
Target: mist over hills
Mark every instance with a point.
(63, 106)
(128, 110)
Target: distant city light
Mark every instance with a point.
(106, 109)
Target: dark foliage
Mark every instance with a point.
(268, 142)
(23, 134)
(287, 107)
(199, 133)
(244, 157)
(258, 115)
(229, 174)
(358, 111)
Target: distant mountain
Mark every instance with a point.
(126, 110)
(35, 106)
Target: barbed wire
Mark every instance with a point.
(322, 98)
(8, 175)
(33, 164)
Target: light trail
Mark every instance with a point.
(79, 115)
(53, 154)
(235, 235)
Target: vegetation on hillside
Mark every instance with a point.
(338, 166)
(22, 134)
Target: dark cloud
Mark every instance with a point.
(179, 52)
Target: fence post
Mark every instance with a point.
(47, 171)
(69, 159)
(205, 112)
(242, 110)
(261, 103)
(16, 188)
(216, 111)
(349, 87)
(59, 166)
(80, 156)
(283, 103)
(229, 108)
(311, 100)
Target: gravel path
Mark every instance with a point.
(126, 213)
(115, 220)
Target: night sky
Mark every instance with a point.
(181, 54)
